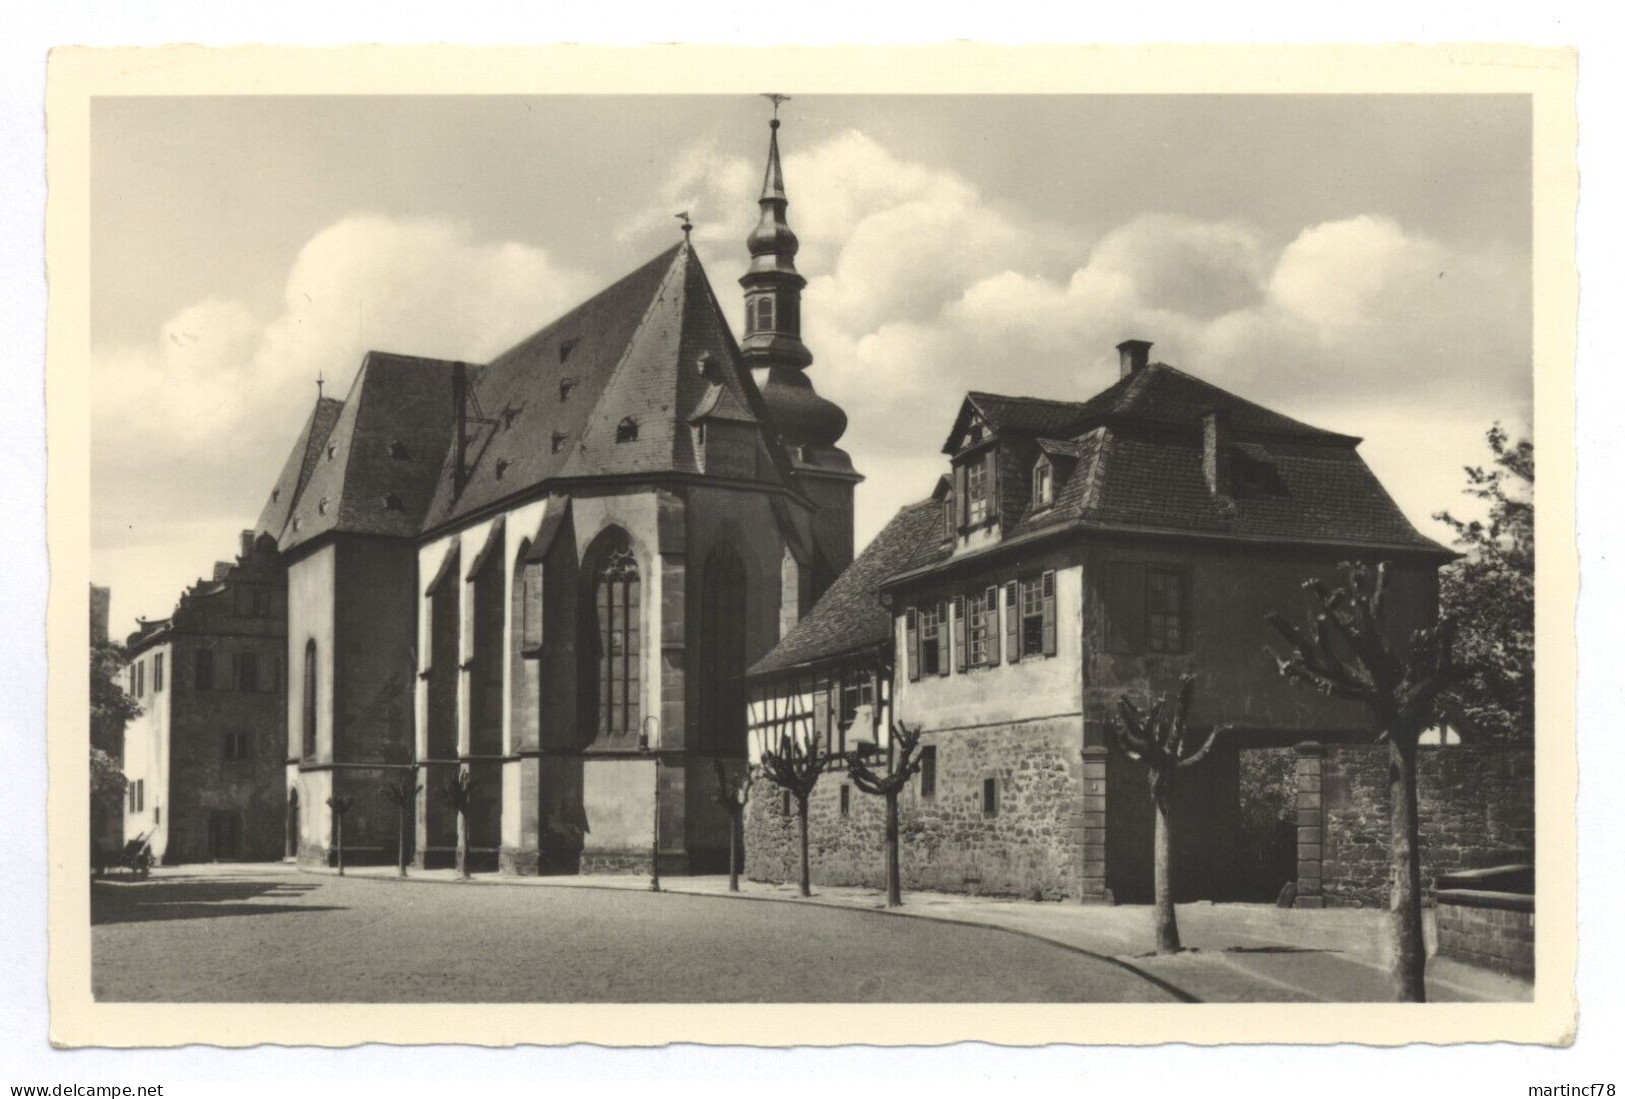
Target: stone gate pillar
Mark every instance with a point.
(1311, 827)
(1093, 884)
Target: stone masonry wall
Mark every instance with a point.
(1030, 848)
(1475, 807)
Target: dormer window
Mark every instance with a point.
(626, 431)
(565, 348)
(502, 467)
(321, 506)
(564, 389)
(332, 450)
(558, 441)
(1043, 483)
(977, 494)
(276, 494)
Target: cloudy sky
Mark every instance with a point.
(1362, 263)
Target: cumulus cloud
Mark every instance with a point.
(920, 289)
(190, 427)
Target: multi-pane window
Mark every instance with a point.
(1164, 611)
(1043, 483)
(932, 657)
(618, 604)
(983, 630)
(157, 673)
(764, 315)
(857, 691)
(1037, 615)
(234, 745)
(203, 671)
(948, 518)
(928, 771)
(976, 493)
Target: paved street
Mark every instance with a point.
(270, 934)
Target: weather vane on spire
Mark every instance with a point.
(687, 226)
(776, 99)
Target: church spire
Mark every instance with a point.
(773, 316)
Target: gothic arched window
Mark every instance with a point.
(617, 623)
(308, 718)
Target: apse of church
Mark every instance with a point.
(582, 545)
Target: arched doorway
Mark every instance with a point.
(721, 704)
(293, 824)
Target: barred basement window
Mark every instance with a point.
(784, 803)
(990, 797)
(928, 772)
(846, 800)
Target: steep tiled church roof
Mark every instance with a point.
(375, 473)
(605, 390)
(299, 466)
(849, 617)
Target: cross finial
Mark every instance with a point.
(775, 98)
(687, 226)
(318, 385)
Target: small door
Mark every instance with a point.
(225, 835)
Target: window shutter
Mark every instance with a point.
(959, 632)
(990, 625)
(943, 665)
(820, 729)
(1012, 622)
(912, 621)
(962, 494)
(1049, 614)
(532, 607)
(993, 485)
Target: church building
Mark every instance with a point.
(549, 572)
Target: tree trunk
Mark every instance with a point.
(1163, 873)
(1405, 901)
(400, 850)
(338, 828)
(733, 851)
(462, 845)
(894, 873)
(806, 862)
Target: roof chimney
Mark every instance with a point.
(245, 542)
(1215, 451)
(1133, 355)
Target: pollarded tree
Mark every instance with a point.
(902, 764)
(1160, 738)
(795, 767)
(1344, 652)
(458, 794)
(340, 804)
(733, 794)
(402, 795)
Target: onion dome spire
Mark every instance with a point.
(773, 315)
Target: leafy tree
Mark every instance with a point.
(402, 795)
(458, 794)
(1344, 652)
(1490, 594)
(733, 794)
(1159, 738)
(340, 804)
(902, 763)
(111, 707)
(795, 767)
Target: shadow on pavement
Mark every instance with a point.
(185, 897)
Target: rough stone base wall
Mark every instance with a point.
(1497, 938)
(1032, 846)
(1475, 809)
